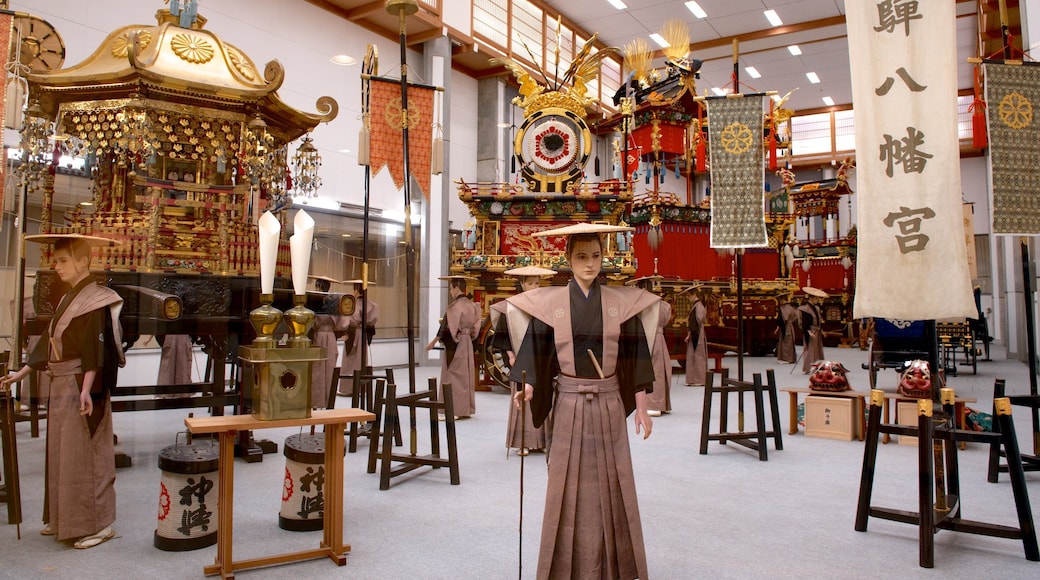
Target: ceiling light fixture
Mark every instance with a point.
(828, 101)
(813, 78)
(753, 72)
(617, 4)
(343, 60)
(696, 9)
(773, 18)
(659, 40)
(794, 50)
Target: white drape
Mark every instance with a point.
(912, 261)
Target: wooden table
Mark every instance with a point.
(228, 427)
(857, 408)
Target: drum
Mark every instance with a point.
(303, 489)
(188, 496)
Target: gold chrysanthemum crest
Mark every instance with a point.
(191, 48)
(121, 44)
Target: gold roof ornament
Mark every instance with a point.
(190, 66)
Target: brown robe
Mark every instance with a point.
(175, 361)
(591, 526)
(80, 497)
(813, 338)
(697, 346)
(519, 434)
(325, 328)
(354, 342)
(462, 322)
(787, 325)
(661, 398)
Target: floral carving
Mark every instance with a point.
(192, 48)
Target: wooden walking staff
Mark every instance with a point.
(523, 445)
(404, 8)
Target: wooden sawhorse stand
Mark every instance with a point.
(936, 447)
(387, 411)
(754, 440)
(227, 427)
(1030, 462)
(363, 396)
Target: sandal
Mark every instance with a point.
(47, 530)
(90, 541)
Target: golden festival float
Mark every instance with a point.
(185, 141)
(661, 126)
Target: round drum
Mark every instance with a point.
(188, 497)
(303, 490)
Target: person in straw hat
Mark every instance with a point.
(787, 327)
(521, 434)
(593, 340)
(659, 401)
(326, 328)
(459, 326)
(353, 342)
(81, 351)
(812, 319)
(696, 341)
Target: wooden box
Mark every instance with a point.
(906, 414)
(830, 417)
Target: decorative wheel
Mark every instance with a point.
(1016, 111)
(494, 361)
(553, 146)
(736, 138)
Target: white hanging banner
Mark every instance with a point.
(911, 260)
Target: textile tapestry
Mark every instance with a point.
(386, 147)
(738, 217)
(1012, 95)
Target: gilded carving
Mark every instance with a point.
(121, 44)
(191, 48)
(240, 63)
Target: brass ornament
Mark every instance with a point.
(121, 44)
(191, 48)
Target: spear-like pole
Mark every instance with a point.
(403, 9)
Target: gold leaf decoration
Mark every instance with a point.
(121, 45)
(192, 48)
(677, 34)
(241, 64)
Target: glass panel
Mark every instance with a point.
(811, 134)
(964, 116)
(490, 20)
(527, 25)
(844, 131)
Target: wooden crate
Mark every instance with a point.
(831, 417)
(906, 414)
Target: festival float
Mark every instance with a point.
(185, 142)
(661, 127)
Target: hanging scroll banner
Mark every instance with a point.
(911, 261)
(738, 218)
(385, 144)
(1012, 97)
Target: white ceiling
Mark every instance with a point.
(824, 48)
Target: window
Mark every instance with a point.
(491, 20)
(527, 28)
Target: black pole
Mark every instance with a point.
(740, 263)
(403, 9)
(1027, 295)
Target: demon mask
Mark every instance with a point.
(915, 382)
(828, 375)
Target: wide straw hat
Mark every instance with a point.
(530, 271)
(457, 277)
(93, 241)
(582, 228)
(691, 287)
(325, 278)
(815, 292)
(635, 281)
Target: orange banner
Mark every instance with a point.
(386, 144)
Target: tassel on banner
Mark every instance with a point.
(437, 155)
(979, 137)
(702, 154)
(364, 137)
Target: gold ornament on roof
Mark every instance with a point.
(241, 64)
(192, 48)
(583, 69)
(121, 44)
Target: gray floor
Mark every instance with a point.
(720, 515)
